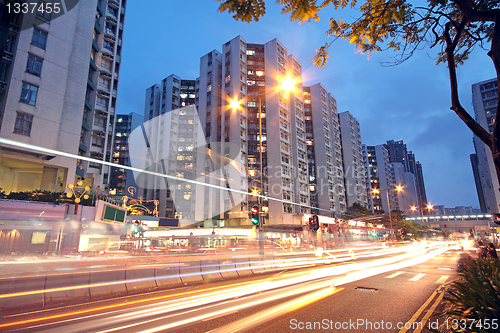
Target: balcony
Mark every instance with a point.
(102, 109)
(114, 3)
(103, 88)
(88, 105)
(110, 32)
(98, 27)
(91, 84)
(85, 125)
(80, 172)
(83, 148)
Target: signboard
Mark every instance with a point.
(107, 212)
(164, 222)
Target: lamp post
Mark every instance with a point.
(287, 84)
(398, 189)
(429, 208)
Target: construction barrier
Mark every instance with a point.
(210, 271)
(74, 286)
(17, 285)
(167, 277)
(243, 267)
(107, 283)
(228, 269)
(191, 273)
(140, 280)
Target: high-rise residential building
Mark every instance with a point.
(380, 177)
(168, 144)
(353, 162)
(398, 153)
(484, 100)
(477, 180)
(326, 174)
(368, 182)
(250, 74)
(59, 86)
(406, 198)
(122, 179)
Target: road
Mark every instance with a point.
(385, 290)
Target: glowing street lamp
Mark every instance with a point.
(287, 84)
(397, 189)
(234, 104)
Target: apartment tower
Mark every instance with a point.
(59, 84)
(484, 100)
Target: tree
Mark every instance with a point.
(355, 211)
(456, 26)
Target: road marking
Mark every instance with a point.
(410, 322)
(443, 279)
(417, 277)
(428, 314)
(393, 275)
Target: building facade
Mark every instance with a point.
(121, 180)
(381, 180)
(59, 92)
(353, 163)
(406, 198)
(484, 100)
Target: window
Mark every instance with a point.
(28, 94)
(39, 38)
(23, 124)
(101, 101)
(43, 14)
(107, 45)
(105, 64)
(34, 65)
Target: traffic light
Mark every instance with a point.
(255, 215)
(314, 223)
(136, 227)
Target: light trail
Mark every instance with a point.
(276, 311)
(324, 277)
(252, 265)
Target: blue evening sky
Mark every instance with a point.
(409, 102)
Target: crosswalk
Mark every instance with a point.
(441, 280)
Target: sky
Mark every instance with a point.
(409, 102)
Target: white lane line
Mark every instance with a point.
(417, 277)
(393, 275)
(442, 279)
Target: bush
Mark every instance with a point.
(477, 296)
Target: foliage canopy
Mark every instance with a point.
(456, 26)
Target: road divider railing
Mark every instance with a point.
(52, 289)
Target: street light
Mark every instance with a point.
(429, 207)
(397, 189)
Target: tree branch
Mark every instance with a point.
(479, 131)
